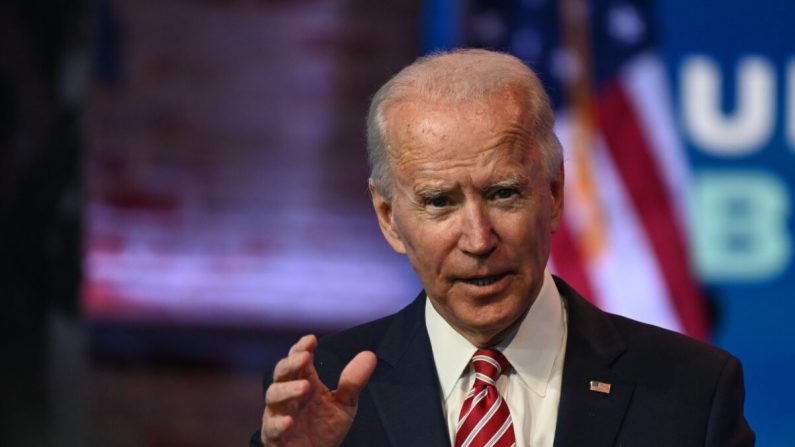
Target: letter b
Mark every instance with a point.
(741, 226)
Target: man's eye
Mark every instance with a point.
(504, 193)
(439, 202)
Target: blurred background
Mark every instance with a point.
(184, 191)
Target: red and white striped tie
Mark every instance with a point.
(485, 419)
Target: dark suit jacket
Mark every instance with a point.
(667, 389)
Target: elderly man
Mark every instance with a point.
(467, 182)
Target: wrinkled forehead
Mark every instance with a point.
(413, 118)
(432, 140)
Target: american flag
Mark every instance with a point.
(623, 242)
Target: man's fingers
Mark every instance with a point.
(292, 367)
(305, 343)
(274, 428)
(355, 376)
(298, 362)
(281, 393)
(281, 408)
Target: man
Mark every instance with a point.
(467, 182)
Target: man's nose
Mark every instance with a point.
(477, 236)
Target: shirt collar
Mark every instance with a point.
(531, 349)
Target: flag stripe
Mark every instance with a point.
(646, 85)
(568, 261)
(624, 274)
(631, 154)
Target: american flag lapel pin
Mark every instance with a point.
(600, 387)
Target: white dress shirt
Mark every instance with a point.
(531, 386)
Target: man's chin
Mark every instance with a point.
(486, 330)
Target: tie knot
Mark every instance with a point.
(488, 365)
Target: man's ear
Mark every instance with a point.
(386, 219)
(556, 187)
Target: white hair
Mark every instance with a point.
(454, 77)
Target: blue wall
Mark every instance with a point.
(744, 196)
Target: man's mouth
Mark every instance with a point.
(484, 280)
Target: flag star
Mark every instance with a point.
(625, 25)
(564, 65)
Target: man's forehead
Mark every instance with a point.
(417, 118)
(509, 100)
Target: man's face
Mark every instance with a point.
(473, 208)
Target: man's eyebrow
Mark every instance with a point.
(512, 181)
(431, 191)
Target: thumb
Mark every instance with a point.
(355, 376)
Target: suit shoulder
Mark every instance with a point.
(665, 352)
(640, 343)
(637, 333)
(683, 388)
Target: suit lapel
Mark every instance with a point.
(588, 417)
(405, 385)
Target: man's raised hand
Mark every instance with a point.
(300, 411)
